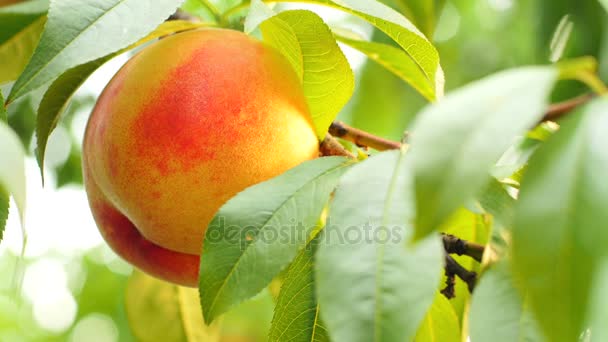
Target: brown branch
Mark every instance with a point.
(558, 110)
(455, 245)
(330, 146)
(449, 291)
(361, 138)
(454, 268)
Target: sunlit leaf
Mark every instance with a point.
(440, 323)
(296, 316)
(559, 234)
(401, 30)
(373, 283)
(258, 232)
(161, 311)
(498, 313)
(78, 32)
(455, 142)
(58, 96)
(396, 61)
(309, 45)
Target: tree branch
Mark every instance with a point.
(454, 268)
(361, 138)
(455, 245)
(558, 110)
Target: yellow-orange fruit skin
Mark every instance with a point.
(185, 125)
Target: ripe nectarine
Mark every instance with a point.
(186, 124)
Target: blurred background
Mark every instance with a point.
(73, 286)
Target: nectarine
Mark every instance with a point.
(185, 125)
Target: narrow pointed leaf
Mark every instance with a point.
(309, 45)
(498, 312)
(456, 141)
(396, 61)
(560, 233)
(296, 315)
(58, 96)
(373, 283)
(161, 311)
(3, 114)
(14, 18)
(77, 32)
(400, 29)
(16, 51)
(258, 232)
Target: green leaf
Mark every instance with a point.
(161, 311)
(309, 45)
(77, 33)
(71, 171)
(498, 312)
(15, 52)
(599, 304)
(12, 167)
(4, 205)
(399, 29)
(258, 232)
(258, 13)
(373, 283)
(4, 197)
(396, 61)
(14, 18)
(424, 13)
(296, 315)
(58, 96)
(440, 323)
(455, 142)
(604, 3)
(3, 114)
(560, 231)
(495, 200)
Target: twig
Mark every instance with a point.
(449, 291)
(361, 138)
(332, 147)
(455, 245)
(558, 110)
(454, 268)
